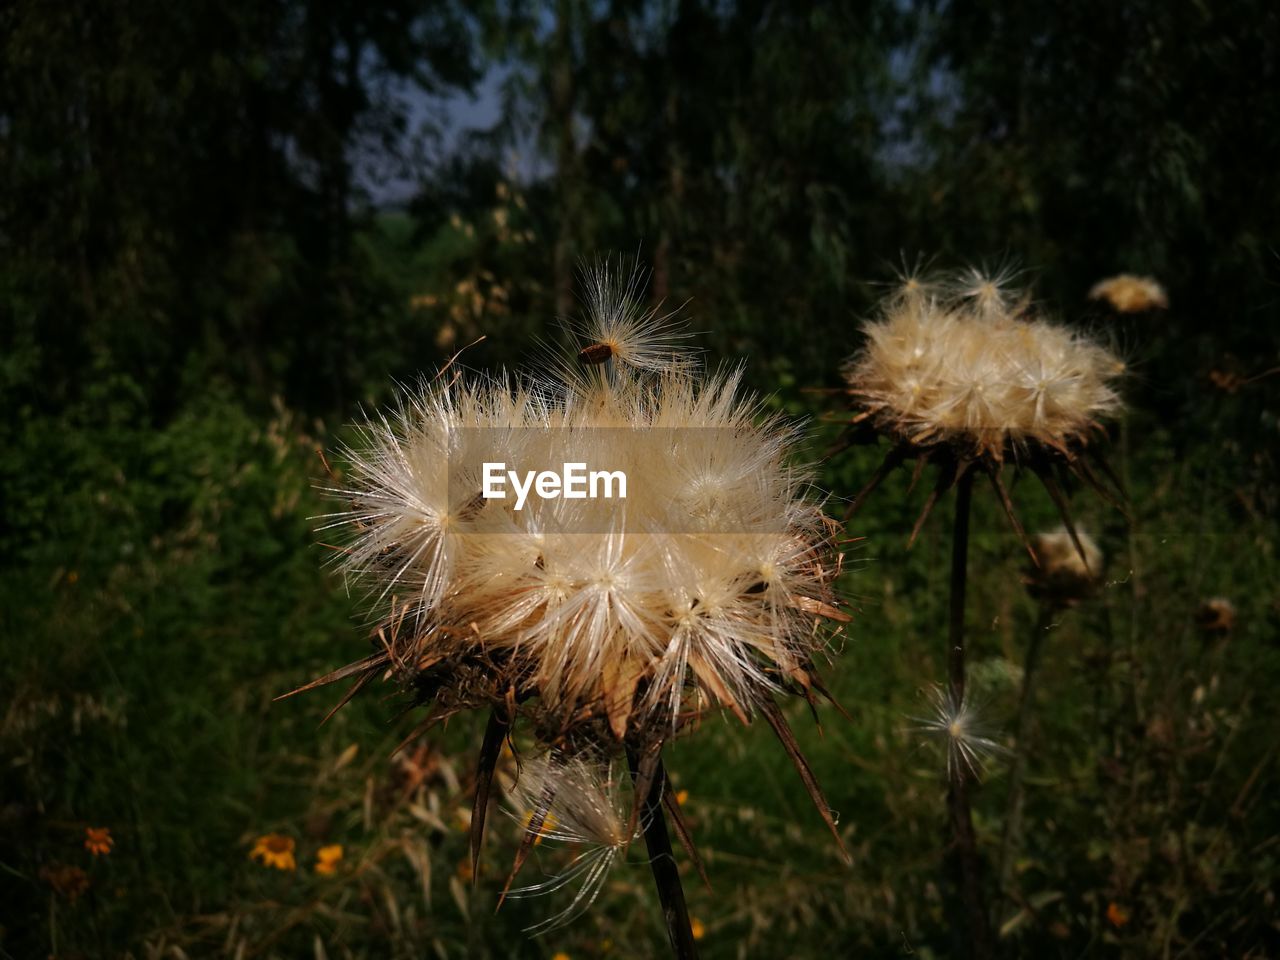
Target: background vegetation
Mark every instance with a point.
(224, 226)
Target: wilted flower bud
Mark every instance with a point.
(1064, 573)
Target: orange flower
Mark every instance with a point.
(328, 858)
(274, 850)
(1116, 914)
(682, 797)
(697, 928)
(98, 841)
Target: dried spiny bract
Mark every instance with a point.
(961, 361)
(1063, 574)
(581, 803)
(958, 725)
(1127, 293)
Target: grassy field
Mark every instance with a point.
(175, 588)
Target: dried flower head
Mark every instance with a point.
(957, 724)
(1063, 574)
(1127, 293)
(963, 361)
(704, 591)
(609, 623)
(962, 371)
(580, 803)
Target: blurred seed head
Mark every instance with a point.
(965, 736)
(1063, 576)
(1127, 293)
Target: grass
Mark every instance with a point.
(162, 586)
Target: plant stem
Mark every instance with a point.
(966, 866)
(666, 876)
(1013, 807)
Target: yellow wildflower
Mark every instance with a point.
(274, 850)
(682, 797)
(328, 858)
(697, 928)
(98, 841)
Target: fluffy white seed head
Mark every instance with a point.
(956, 723)
(701, 587)
(962, 361)
(579, 803)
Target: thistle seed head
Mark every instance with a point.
(580, 803)
(702, 587)
(956, 723)
(963, 361)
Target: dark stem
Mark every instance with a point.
(973, 936)
(1013, 807)
(666, 876)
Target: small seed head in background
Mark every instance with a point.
(964, 360)
(1126, 293)
(1063, 574)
